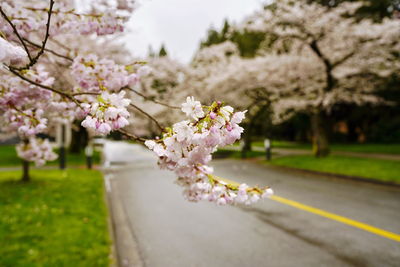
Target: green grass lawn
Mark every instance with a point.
(283, 144)
(226, 153)
(8, 157)
(57, 219)
(361, 148)
(384, 170)
(368, 148)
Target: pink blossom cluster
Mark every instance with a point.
(32, 17)
(29, 109)
(63, 110)
(11, 54)
(95, 75)
(107, 113)
(28, 122)
(36, 150)
(17, 92)
(22, 104)
(186, 149)
(101, 24)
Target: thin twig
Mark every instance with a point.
(15, 72)
(61, 45)
(132, 136)
(148, 115)
(67, 95)
(71, 12)
(84, 93)
(48, 50)
(150, 99)
(42, 48)
(16, 33)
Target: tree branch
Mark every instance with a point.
(343, 59)
(16, 33)
(149, 99)
(132, 136)
(84, 93)
(330, 81)
(61, 44)
(148, 116)
(15, 72)
(48, 50)
(42, 48)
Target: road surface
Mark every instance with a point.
(169, 231)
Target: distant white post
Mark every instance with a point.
(267, 145)
(89, 154)
(63, 140)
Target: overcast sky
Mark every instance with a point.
(181, 24)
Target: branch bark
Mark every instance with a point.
(330, 80)
(148, 116)
(132, 136)
(48, 50)
(149, 99)
(46, 37)
(16, 33)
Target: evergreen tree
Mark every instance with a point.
(213, 37)
(150, 51)
(247, 42)
(163, 52)
(375, 9)
(225, 30)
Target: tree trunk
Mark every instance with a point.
(79, 139)
(247, 137)
(25, 171)
(247, 143)
(320, 138)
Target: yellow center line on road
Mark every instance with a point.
(338, 218)
(326, 214)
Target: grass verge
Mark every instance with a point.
(57, 219)
(383, 170)
(283, 144)
(226, 153)
(368, 148)
(9, 158)
(359, 148)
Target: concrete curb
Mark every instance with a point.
(125, 246)
(110, 226)
(334, 175)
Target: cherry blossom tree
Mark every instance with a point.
(312, 58)
(34, 50)
(334, 57)
(158, 91)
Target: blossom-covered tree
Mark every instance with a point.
(34, 94)
(158, 92)
(334, 56)
(312, 57)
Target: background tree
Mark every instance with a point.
(354, 57)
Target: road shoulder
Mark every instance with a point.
(126, 247)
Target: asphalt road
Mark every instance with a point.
(169, 231)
